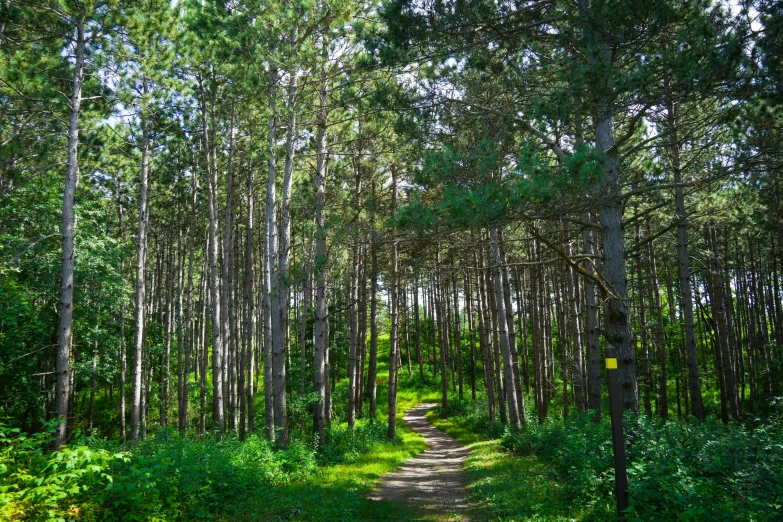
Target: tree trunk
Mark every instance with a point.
(683, 268)
(165, 370)
(483, 316)
(204, 298)
(320, 355)
(279, 335)
(373, 368)
(248, 358)
(444, 380)
(227, 324)
(471, 340)
(354, 337)
(394, 341)
(141, 302)
(617, 323)
(64, 330)
(509, 384)
(512, 336)
(416, 325)
(457, 337)
(214, 277)
(578, 365)
(275, 357)
(593, 337)
(183, 406)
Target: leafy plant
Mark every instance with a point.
(37, 485)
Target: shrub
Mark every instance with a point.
(676, 471)
(342, 444)
(39, 485)
(473, 415)
(200, 478)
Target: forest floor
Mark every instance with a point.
(433, 482)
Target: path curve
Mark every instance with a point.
(432, 482)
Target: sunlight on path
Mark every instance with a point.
(432, 482)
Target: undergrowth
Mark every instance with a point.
(677, 471)
(173, 477)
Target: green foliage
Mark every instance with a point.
(563, 470)
(65, 485)
(473, 417)
(704, 471)
(181, 477)
(341, 444)
(170, 477)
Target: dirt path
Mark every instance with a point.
(432, 482)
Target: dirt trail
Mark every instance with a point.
(432, 482)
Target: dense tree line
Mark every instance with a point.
(207, 203)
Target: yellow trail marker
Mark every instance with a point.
(611, 363)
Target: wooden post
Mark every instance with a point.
(618, 440)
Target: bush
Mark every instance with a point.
(167, 477)
(473, 415)
(676, 471)
(342, 444)
(38, 485)
(201, 478)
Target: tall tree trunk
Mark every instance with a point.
(683, 267)
(617, 323)
(181, 372)
(214, 278)
(279, 335)
(183, 406)
(441, 321)
(373, 367)
(416, 324)
(169, 313)
(394, 342)
(141, 302)
(248, 358)
(405, 325)
(202, 335)
(471, 340)
(576, 320)
(502, 318)
(536, 308)
(123, 365)
(362, 333)
(64, 330)
(227, 322)
(512, 336)
(589, 240)
(457, 337)
(307, 297)
(274, 372)
(320, 354)
(522, 319)
(354, 337)
(483, 316)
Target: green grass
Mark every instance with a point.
(340, 492)
(505, 487)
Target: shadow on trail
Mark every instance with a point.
(432, 483)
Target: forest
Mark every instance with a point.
(363, 259)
